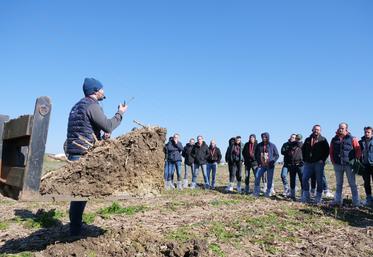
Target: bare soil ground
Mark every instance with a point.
(190, 223)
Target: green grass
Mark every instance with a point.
(41, 219)
(89, 218)
(116, 209)
(182, 234)
(4, 225)
(215, 248)
(220, 202)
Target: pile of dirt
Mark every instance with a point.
(128, 242)
(130, 165)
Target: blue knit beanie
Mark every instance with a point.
(91, 86)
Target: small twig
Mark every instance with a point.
(95, 138)
(79, 145)
(140, 124)
(85, 140)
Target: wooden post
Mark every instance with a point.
(35, 158)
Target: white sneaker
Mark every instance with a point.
(229, 188)
(185, 183)
(328, 194)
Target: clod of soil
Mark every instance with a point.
(130, 165)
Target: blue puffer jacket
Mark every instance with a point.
(80, 125)
(367, 151)
(174, 151)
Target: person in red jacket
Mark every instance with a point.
(343, 148)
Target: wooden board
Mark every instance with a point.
(19, 127)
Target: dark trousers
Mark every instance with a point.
(368, 176)
(294, 171)
(235, 171)
(76, 210)
(248, 169)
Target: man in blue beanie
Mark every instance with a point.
(86, 123)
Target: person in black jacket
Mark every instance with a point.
(234, 157)
(200, 153)
(166, 183)
(213, 160)
(174, 149)
(294, 158)
(230, 164)
(285, 149)
(366, 145)
(315, 151)
(248, 154)
(188, 160)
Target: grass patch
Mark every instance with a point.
(221, 232)
(215, 248)
(181, 235)
(4, 225)
(41, 219)
(221, 202)
(89, 218)
(116, 209)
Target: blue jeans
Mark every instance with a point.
(204, 172)
(171, 169)
(76, 209)
(284, 176)
(212, 167)
(166, 170)
(259, 174)
(324, 182)
(186, 166)
(351, 177)
(313, 169)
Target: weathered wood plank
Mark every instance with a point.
(19, 127)
(13, 177)
(3, 119)
(38, 139)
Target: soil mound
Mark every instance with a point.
(130, 165)
(128, 243)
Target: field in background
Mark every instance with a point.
(177, 223)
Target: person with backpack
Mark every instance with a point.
(286, 147)
(200, 152)
(266, 154)
(235, 158)
(366, 145)
(188, 160)
(344, 148)
(213, 160)
(248, 154)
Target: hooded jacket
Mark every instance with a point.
(294, 154)
(229, 155)
(187, 154)
(269, 150)
(200, 153)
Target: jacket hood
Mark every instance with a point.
(231, 141)
(253, 135)
(265, 134)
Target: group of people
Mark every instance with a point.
(305, 160)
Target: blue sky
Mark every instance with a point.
(216, 68)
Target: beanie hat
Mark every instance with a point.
(299, 136)
(91, 86)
